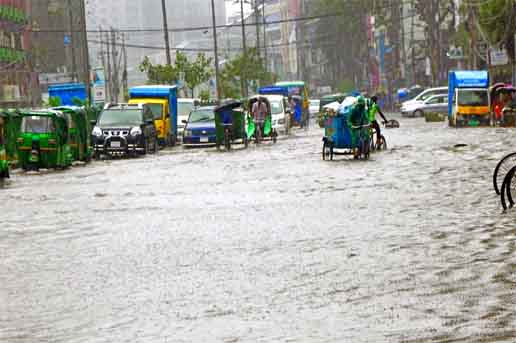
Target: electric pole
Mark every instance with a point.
(86, 52)
(72, 41)
(109, 77)
(216, 52)
(243, 81)
(264, 36)
(257, 24)
(125, 89)
(165, 29)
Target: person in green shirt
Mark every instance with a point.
(373, 110)
(357, 118)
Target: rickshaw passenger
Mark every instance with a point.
(372, 117)
(259, 112)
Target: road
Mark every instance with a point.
(266, 245)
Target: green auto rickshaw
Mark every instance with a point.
(79, 132)
(43, 140)
(12, 124)
(230, 124)
(4, 163)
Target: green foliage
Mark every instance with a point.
(251, 65)
(204, 95)
(195, 72)
(497, 18)
(54, 101)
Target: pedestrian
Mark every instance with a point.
(372, 119)
(259, 112)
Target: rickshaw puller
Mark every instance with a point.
(259, 112)
(375, 108)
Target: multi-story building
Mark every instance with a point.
(18, 82)
(59, 41)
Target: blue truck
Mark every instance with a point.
(67, 92)
(468, 98)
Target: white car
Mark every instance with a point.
(407, 105)
(184, 107)
(436, 103)
(279, 108)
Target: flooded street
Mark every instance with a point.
(266, 245)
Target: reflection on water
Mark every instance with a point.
(266, 245)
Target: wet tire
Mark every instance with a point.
(501, 170)
(227, 140)
(246, 142)
(418, 114)
(274, 136)
(327, 152)
(383, 145)
(508, 191)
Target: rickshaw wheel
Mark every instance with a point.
(327, 152)
(501, 170)
(227, 140)
(510, 186)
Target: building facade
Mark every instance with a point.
(18, 82)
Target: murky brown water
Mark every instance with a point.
(266, 245)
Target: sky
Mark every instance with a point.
(234, 8)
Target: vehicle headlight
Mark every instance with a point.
(135, 131)
(97, 132)
(188, 133)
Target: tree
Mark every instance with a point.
(497, 17)
(254, 68)
(195, 73)
(198, 72)
(159, 74)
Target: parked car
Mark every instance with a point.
(422, 97)
(124, 129)
(200, 127)
(184, 107)
(435, 103)
(314, 107)
(279, 109)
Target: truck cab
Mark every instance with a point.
(468, 96)
(162, 102)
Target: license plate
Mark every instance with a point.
(115, 144)
(204, 139)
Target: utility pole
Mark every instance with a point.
(257, 24)
(216, 52)
(264, 36)
(109, 77)
(243, 80)
(87, 66)
(412, 50)
(72, 41)
(104, 65)
(125, 89)
(165, 29)
(116, 66)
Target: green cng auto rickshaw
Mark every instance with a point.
(43, 140)
(230, 124)
(79, 130)
(12, 123)
(4, 163)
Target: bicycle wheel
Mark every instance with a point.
(509, 189)
(373, 140)
(502, 168)
(383, 146)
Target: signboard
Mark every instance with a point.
(99, 93)
(498, 57)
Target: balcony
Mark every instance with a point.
(13, 14)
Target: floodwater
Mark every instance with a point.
(266, 245)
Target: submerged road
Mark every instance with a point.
(271, 244)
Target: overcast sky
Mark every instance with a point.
(232, 8)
